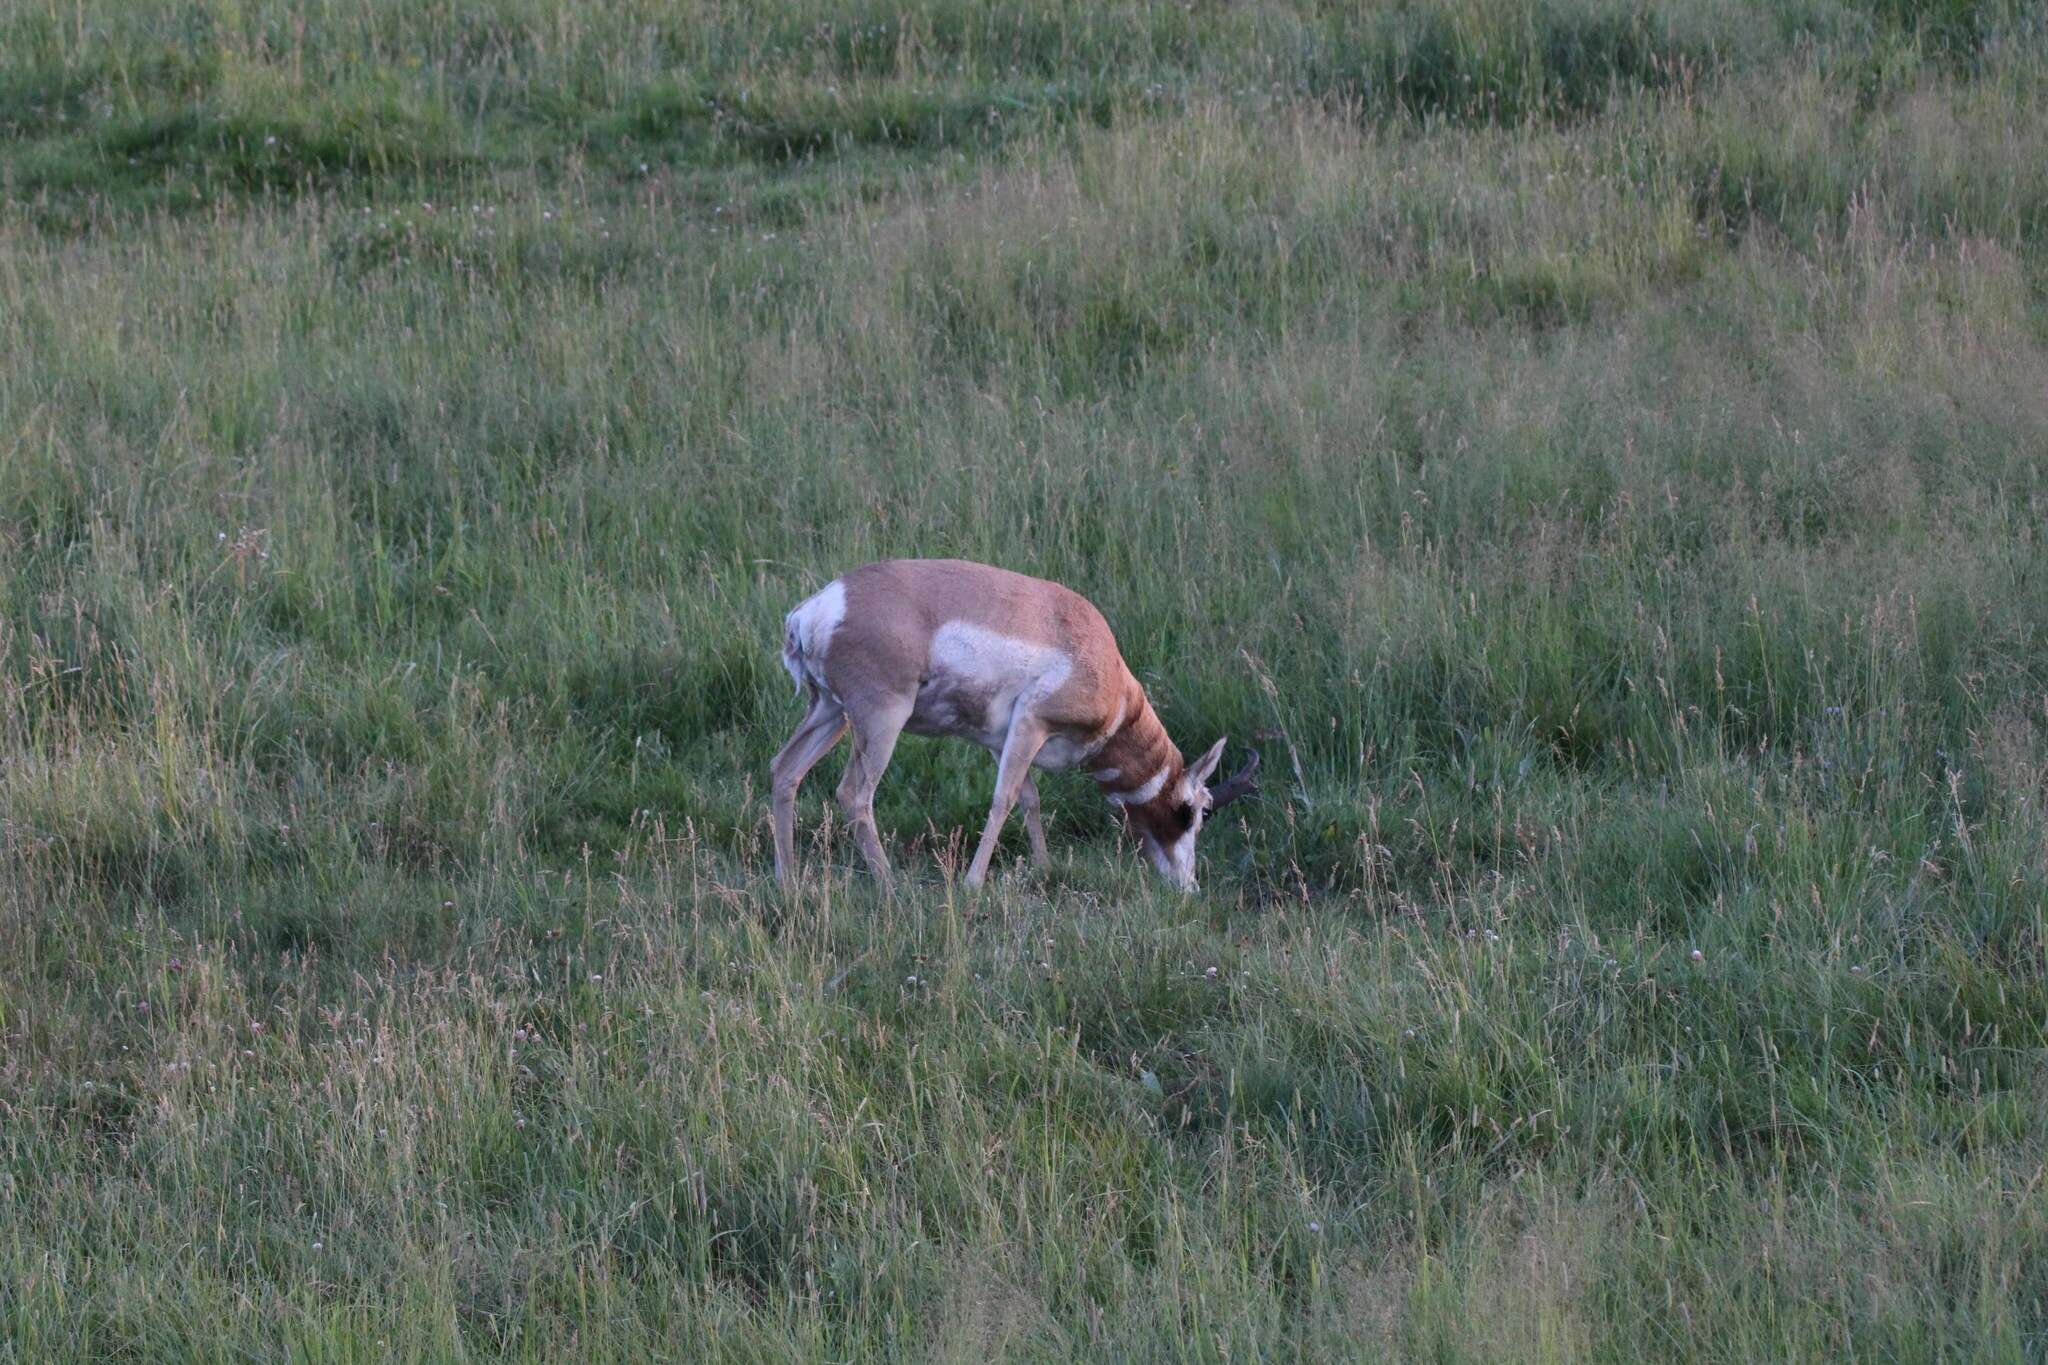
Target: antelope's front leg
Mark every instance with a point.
(1026, 738)
(1027, 802)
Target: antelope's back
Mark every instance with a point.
(942, 591)
(873, 628)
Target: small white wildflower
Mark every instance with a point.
(597, 976)
(1314, 1226)
(1698, 956)
(317, 1246)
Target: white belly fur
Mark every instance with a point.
(1003, 673)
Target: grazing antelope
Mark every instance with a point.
(1025, 668)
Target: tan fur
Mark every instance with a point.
(896, 661)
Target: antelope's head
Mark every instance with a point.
(1168, 823)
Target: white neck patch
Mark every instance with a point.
(1153, 785)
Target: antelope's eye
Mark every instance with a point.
(1184, 816)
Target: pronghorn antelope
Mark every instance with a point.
(1025, 668)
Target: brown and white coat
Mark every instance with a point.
(1025, 668)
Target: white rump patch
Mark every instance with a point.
(807, 634)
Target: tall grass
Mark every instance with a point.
(1594, 452)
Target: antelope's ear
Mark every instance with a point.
(1201, 768)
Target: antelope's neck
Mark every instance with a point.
(1138, 761)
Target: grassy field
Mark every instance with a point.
(1597, 453)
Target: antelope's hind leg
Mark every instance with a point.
(874, 739)
(819, 730)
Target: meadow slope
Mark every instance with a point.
(1597, 453)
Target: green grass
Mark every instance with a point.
(1597, 453)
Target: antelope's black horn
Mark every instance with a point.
(1244, 782)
